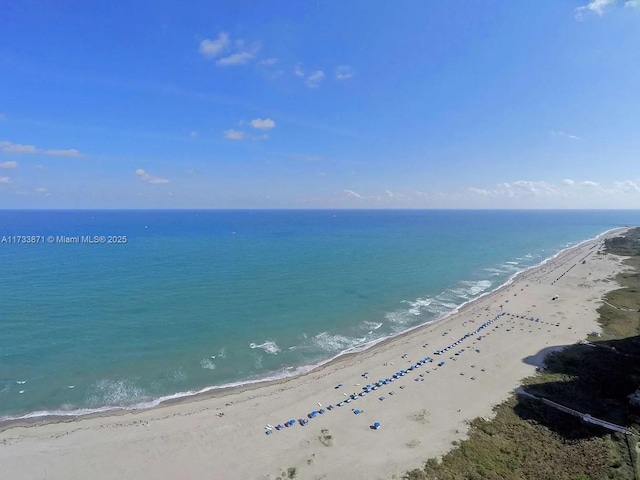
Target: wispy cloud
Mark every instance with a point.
(567, 189)
(232, 134)
(257, 123)
(10, 147)
(627, 186)
(344, 72)
(8, 165)
(2, 116)
(595, 6)
(145, 177)
(229, 53)
(268, 62)
(4, 180)
(213, 48)
(560, 133)
(263, 124)
(352, 194)
(580, 183)
(314, 79)
(69, 152)
(632, 4)
(298, 71)
(238, 58)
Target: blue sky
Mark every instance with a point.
(320, 104)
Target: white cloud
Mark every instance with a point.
(352, 194)
(10, 147)
(229, 53)
(145, 177)
(560, 133)
(2, 116)
(214, 48)
(4, 179)
(344, 72)
(582, 183)
(232, 134)
(238, 58)
(312, 80)
(315, 79)
(482, 192)
(8, 165)
(42, 190)
(263, 124)
(268, 62)
(589, 183)
(626, 186)
(567, 193)
(526, 187)
(632, 4)
(70, 152)
(595, 6)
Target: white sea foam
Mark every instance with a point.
(333, 342)
(372, 325)
(399, 318)
(208, 364)
(116, 392)
(496, 271)
(474, 288)
(417, 305)
(268, 346)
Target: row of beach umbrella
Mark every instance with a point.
(370, 387)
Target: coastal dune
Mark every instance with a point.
(222, 435)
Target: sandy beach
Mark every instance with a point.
(222, 435)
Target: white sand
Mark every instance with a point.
(419, 420)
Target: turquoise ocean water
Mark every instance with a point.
(201, 299)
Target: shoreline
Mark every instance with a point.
(222, 435)
(39, 418)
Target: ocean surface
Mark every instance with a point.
(121, 309)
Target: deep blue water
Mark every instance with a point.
(195, 299)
